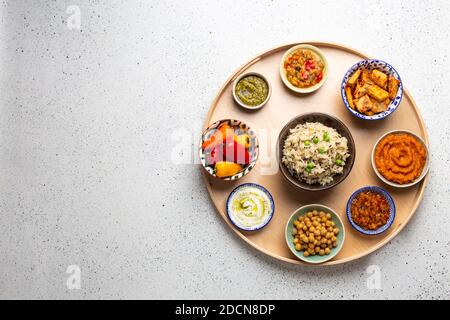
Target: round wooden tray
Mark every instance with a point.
(282, 107)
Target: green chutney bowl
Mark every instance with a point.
(303, 211)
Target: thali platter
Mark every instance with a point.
(268, 121)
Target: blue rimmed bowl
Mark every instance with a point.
(264, 222)
(371, 65)
(390, 201)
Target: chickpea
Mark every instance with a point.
(317, 249)
(323, 245)
(327, 251)
(322, 252)
(300, 225)
(312, 229)
(308, 224)
(311, 239)
(321, 214)
(315, 224)
(323, 232)
(317, 233)
(336, 231)
(309, 214)
(315, 212)
(329, 242)
(305, 228)
(324, 220)
(333, 224)
(294, 231)
(306, 254)
(298, 247)
(334, 239)
(296, 240)
(334, 244)
(316, 242)
(329, 235)
(324, 240)
(296, 223)
(328, 223)
(328, 216)
(311, 251)
(301, 218)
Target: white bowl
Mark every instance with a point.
(242, 104)
(283, 72)
(394, 184)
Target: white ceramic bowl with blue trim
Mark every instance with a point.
(370, 65)
(392, 210)
(264, 222)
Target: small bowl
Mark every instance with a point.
(389, 199)
(301, 212)
(242, 104)
(283, 72)
(394, 184)
(328, 121)
(254, 228)
(370, 65)
(253, 149)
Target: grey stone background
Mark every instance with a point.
(86, 121)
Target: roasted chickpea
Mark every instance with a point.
(298, 247)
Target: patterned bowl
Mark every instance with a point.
(389, 199)
(370, 65)
(240, 128)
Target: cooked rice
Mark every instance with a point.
(297, 154)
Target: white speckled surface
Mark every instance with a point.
(85, 120)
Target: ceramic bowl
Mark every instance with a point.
(394, 184)
(389, 199)
(329, 121)
(283, 72)
(242, 104)
(263, 223)
(370, 65)
(241, 128)
(301, 212)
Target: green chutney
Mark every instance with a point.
(252, 90)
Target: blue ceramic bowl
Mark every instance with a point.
(389, 199)
(370, 65)
(257, 227)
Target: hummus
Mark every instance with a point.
(400, 158)
(250, 207)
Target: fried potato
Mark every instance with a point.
(348, 93)
(360, 89)
(380, 106)
(352, 81)
(365, 75)
(380, 78)
(377, 93)
(364, 104)
(393, 87)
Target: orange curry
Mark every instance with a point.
(400, 158)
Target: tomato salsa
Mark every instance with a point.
(370, 210)
(304, 68)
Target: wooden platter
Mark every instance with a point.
(268, 121)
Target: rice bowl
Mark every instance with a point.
(314, 153)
